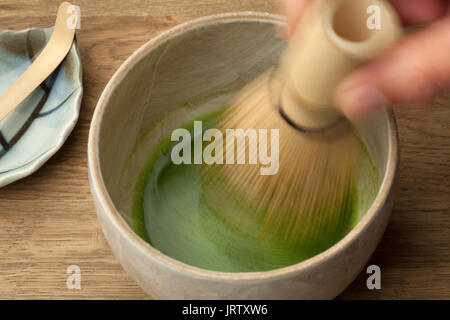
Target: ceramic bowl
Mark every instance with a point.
(171, 79)
(38, 127)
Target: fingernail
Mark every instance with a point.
(360, 101)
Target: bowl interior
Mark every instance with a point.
(184, 74)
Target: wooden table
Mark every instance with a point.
(48, 221)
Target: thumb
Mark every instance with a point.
(416, 69)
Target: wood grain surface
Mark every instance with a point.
(48, 221)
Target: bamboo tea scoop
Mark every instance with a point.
(50, 58)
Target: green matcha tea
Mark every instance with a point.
(168, 212)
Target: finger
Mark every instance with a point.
(420, 11)
(292, 9)
(414, 70)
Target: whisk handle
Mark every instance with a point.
(332, 39)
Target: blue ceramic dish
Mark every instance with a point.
(38, 127)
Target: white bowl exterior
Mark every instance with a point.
(322, 277)
(322, 280)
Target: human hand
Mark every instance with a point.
(415, 69)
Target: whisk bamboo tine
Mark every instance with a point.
(307, 201)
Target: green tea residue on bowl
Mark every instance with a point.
(169, 214)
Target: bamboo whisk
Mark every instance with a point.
(307, 203)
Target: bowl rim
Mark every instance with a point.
(100, 194)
